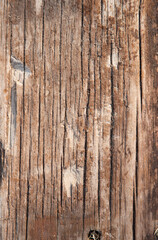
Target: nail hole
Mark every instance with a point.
(94, 234)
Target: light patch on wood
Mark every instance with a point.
(94, 166)
(108, 64)
(94, 174)
(79, 238)
(71, 177)
(111, 8)
(72, 135)
(115, 59)
(38, 6)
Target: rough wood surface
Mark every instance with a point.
(78, 132)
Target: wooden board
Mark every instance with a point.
(78, 113)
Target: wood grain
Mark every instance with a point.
(78, 112)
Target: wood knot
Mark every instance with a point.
(156, 233)
(94, 234)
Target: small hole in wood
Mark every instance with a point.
(94, 234)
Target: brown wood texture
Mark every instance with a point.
(78, 114)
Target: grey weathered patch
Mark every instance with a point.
(2, 157)
(20, 71)
(13, 114)
(18, 65)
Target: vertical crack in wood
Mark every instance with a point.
(39, 125)
(8, 197)
(86, 130)
(82, 32)
(54, 42)
(44, 82)
(111, 136)
(60, 51)
(71, 52)
(27, 208)
(56, 133)
(100, 78)
(85, 167)
(140, 55)
(52, 139)
(116, 22)
(65, 121)
(13, 114)
(11, 37)
(43, 28)
(137, 154)
(125, 100)
(57, 218)
(107, 21)
(20, 159)
(61, 184)
(129, 57)
(44, 181)
(134, 215)
(135, 185)
(29, 171)
(71, 197)
(2, 160)
(99, 188)
(34, 49)
(102, 29)
(94, 86)
(16, 220)
(24, 60)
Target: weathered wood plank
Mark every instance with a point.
(78, 134)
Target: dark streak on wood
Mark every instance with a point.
(99, 188)
(16, 220)
(61, 185)
(27, 208)
(111, 135)
(60, 57)
(24, 60)
(13, 114)
(2, 160)
(134, 215)
(140, 54)
(52, 137)
(44, 178)
(107, 23)
(137, 155)
(94, 86)
(28, 178)
(71, 197)
(20, 158)
(82, 34)
(65, 121)
(11, 35)
(39, 124)
(43, 27)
